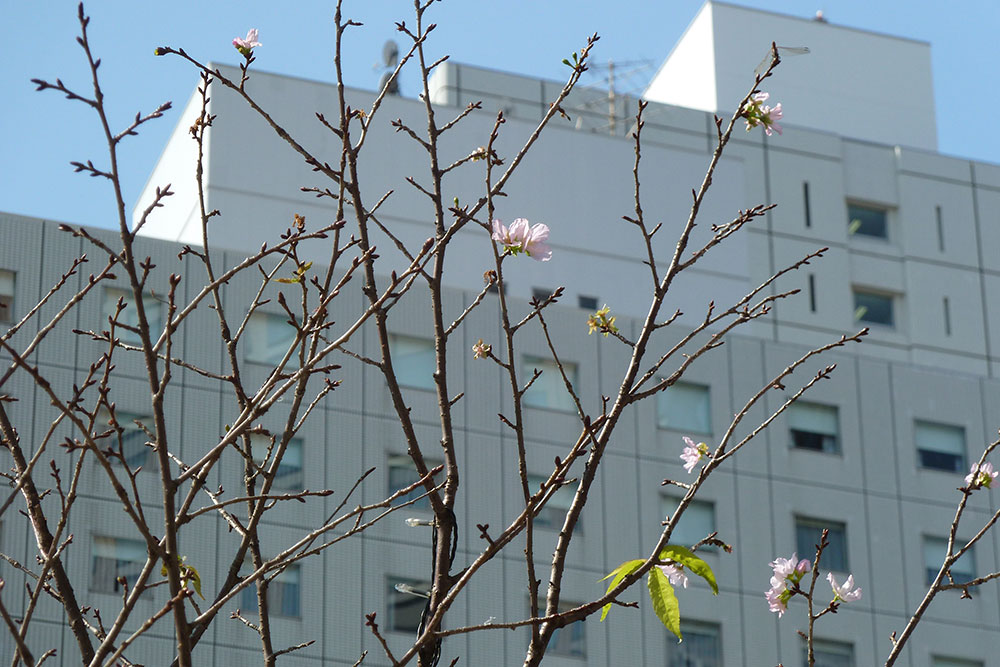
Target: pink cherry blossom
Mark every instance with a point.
(777, 601)
(481, 350)
(981, 475)
(692, 453)
(524, 237)
(757, 113)
(244, 44)
(844, 593)
(675, 574)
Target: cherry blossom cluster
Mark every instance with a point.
(675, 573)
(692, 453)
(785, 578)
(757, 113)
(245, 44)
(524, 237)
(981, 476)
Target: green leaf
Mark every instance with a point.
(688, 559)
(195, 579)
(619, 573)
(288, 280)
(566, 62)
(664, 601)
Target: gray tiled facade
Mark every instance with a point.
(943, 217)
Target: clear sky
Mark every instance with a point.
(43, 132)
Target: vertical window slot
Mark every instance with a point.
(940, 228)
(947, 316)
(812, 292)
(805, 199)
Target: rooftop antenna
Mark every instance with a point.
(390, 58)
(626, 70)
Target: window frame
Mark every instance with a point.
(403, 462)
(292, 478)
(261, 346)
(423, 380)
(833, 647)
(662, 420)
(869, 293)
(551, 516)
(808, 551)
(126, 420)
(831, 446)
(549, 384)
(962, 571)
(924, 455)
(278, 589)
(8, 295)
(130, 315)
(855, 224)
(394, 597)
(690, 629)
(121, 566)
(682, 535)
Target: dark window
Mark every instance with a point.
(814, 426)
(807, 536)
(541, 293)
(873, 308)
(113, 559)
(570, 639)
(406, 601)
(935, 550)
(702, 646)
(402, 474)
(587, 302)
(940, 446)
(283, 593)
(867, 221)
(6, 296)
(829, 654)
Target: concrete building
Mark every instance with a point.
(874, 454)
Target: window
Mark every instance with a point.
(406, 601)
(814, 426)
(114, 558)
(935, 550)
(867, 221)
(807, 535)
(133, 439)
(402, 474)
(941, 661)
(6, 296)
(874, 308)
(554, 512)
(283, 592)
(413, 361)
(829, 653)
(702, 646)
(541, 293)
(268, 336)
(697, 523)
(570, 639)
(289, 474)
(587, 302)
(130, 316)
(548, 390)
(685, 406)
(940, 446)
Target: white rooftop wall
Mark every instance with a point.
(581, 189)
(854, 83)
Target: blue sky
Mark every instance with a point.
(43, 132)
